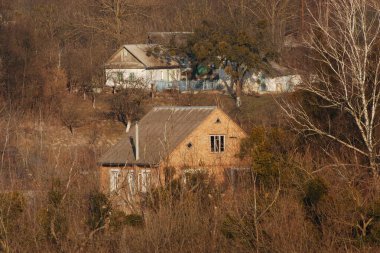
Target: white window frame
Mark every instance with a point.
(144, 180)
(217, 143)
(132, 76)
(120, 76)
(114, 180)
(131, 179)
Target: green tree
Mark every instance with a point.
(233, 49)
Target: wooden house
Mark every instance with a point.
(185, 139)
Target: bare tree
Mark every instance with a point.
(113, 18)
(347, 75)
(277, 14)
(128, 104)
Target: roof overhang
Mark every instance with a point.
(127, 164)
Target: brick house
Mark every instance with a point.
(185, 139)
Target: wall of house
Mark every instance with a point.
(258, 83)
(199, 155)
(123, 199)
(149, 76)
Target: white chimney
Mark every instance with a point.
(128, 126)
(137, 141)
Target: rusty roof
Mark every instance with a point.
(160, 132)
(142, 53)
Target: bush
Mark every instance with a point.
(164, 195)
(11, 207)
(118, 219)
(99, 210)
(268, 151)
(315, 190)
(134, 220)
(53, 219)
(228, 227)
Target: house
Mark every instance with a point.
(278, 79)
(144, 62)
(184, 139)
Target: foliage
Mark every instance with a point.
(315, 190)
(53, 219)
(12, 205)
(231, 48)
(237, 51)
(99, 210)
(229, 226)
(269, 151)
(169, 194)
(134, 220)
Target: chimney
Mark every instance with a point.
(137, 141)
(128, 126)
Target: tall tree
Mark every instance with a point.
(234, 50)
(347, 76)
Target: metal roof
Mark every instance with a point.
(160, 132)
(140, 52)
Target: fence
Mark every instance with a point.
(188, 85)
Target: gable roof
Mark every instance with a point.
(160, 132)
(141, 52)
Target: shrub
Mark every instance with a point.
(228, 227)
(315, 190)
(99, 210)
(118, 219)
(11, 207)
(134, 220)
(53, 219)
(268, 151)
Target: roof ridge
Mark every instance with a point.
(184, 107)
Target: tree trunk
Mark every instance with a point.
(375, 171)
(153, 90)
(238, 93)
(93, 100)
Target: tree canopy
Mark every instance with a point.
(232, 49)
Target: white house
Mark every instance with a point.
(279, 80)
(140, 62)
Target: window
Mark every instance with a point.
(144, 180)
(132, 76)
(114, 180)
(120, 77)
(194, 177)
(217, 143)
(131, 182)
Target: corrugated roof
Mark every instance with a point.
(160, 132)
(141, 53)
